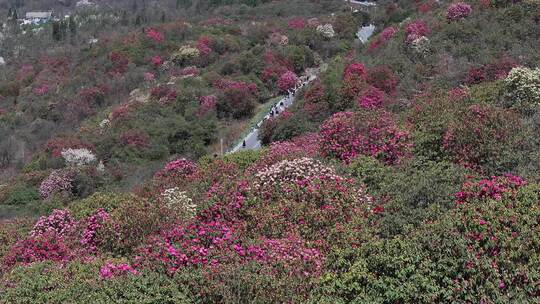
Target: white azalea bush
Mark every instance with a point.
(78, 157)
(326, 30)
(522, 86)
(178, 200)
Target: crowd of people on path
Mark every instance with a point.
(280, 106)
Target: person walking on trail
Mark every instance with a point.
(244, 144)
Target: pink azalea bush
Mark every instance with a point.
(386, 35)
(287, 81)
(91, 226)
(203, 45)
(206, 104)
(111, 270)
(47, 247)
(372, 98)
(135, 138)
(492, 188)
(354, 69)
(415, 30)
(346, 135)
(155, 35)
(59, 223)
(58, 181)
(297, 23)
(156, 61)
(457, 11)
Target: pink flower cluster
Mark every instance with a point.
(155, 35)
(163, 94)
(345, 136)
(287, 81)
(297, 23)
(178, 168)
(372, 98)
(42, 89)
(226, 84)
(110, 270)
(386, 34)
(206, 104)
(92, 225)
(197, 243)
(56, 145)
(185, 72)
(156, 60)
(36, 249)
(493, 188)
(203, 45)
(457, 11)
(58, 181)
(354, 69)
(492, 71)
(59, 223)
(120, 63)
(415, 30)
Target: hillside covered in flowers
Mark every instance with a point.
(407, 171)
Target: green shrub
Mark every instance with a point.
(22, 194)
(242, 159)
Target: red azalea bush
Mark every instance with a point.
(354, 69)
(135, 138)
(119, 63)
(297, 23)
(155, 35)
(458, 10)
(163, 94)
(372, 98)
(206, 104)
(111, 270)
(383, 78)
(156, 61)
(493, 188)
(287, 81)
(386, 34)
(346, 135)
(415, 30)
(56, 145)
(47, 247)
(237, 98)
(492, 71)
(203, 45)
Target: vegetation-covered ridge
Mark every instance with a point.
(408, 172)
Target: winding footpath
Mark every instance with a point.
(251, 141)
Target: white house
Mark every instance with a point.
(38, 17)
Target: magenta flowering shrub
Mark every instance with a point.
(354, 69)
(91, 226)
(193, 244)
(383, 78)
(37, 249)
(492, 71)
(372, 98)
(110, 270)
(203, 45)
(415, 30)
(275, 66)
(287, 81)
(297, 23)
(119, 63)
(292, 254)
(346, 135)
(493, 188)
(59, 181)
(156, 61)
(163, 94)
(206, 104)
(386, 34)
(457, 11)
(59, 223)
(175, 173)
(155, 35)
